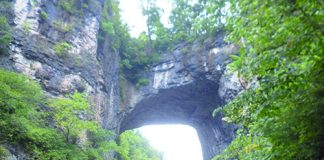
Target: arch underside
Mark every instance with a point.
(191, 104)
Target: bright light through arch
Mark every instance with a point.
(176, 142)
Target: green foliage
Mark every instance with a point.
(134, 58)
(62, 26)
(23, 121)
(158, 35)
(112, 25)
(85, 6)
(53, 132)
(246, 146)
(108, 27)
(281, 46)
(181, 20)
(5, 34)
(43, 15)
(66, 112)
(189, 19)
(132, 145)
(142, 82)
(3, 152)
(77, 7)
(62, 48)
(68, 5)
(26, 26)
(19, 101)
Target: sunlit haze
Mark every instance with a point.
(175, 142)
(132, 15)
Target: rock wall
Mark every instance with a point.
(87, 67)
(184, 87)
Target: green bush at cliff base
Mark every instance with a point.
(25, 122)
(52, 128)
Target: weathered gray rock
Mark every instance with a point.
(185, 87)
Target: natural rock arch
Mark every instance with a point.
(184, 89)
(191, 105)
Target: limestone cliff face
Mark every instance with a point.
(87, 67)
(184, 87)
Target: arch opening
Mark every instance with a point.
(174, 141)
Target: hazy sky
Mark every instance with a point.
(177, 142)
(132, 14)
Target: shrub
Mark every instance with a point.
(61, 49)
(26, 27)
(43, 15)
(108, 27)
(142, 82)
(61, 26)
(68, 6)
(3, 152)
(5, 34)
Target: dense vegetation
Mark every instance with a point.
(189, 20)
(27, 122)
(280, 116)
(53, 128)
(282, 53)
